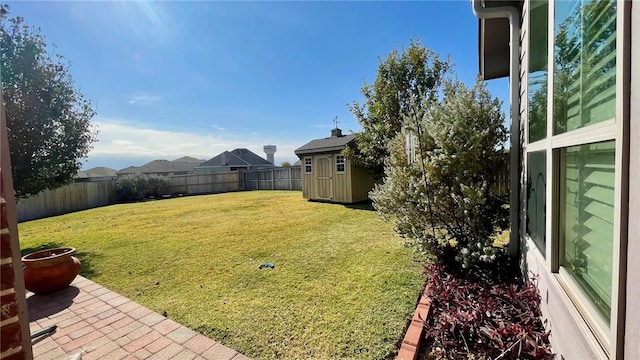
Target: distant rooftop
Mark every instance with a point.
(99, 171)
(189, 159)
(184, 164)
(236, 157)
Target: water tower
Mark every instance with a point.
(269, 150)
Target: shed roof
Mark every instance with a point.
(325, 145)
(236, 157)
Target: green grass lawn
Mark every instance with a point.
(343, 286)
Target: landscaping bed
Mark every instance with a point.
(484, 314)
(343, 286)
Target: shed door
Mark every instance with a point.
(324, 177)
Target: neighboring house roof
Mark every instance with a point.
(166, 166)
(129, 170)
(236, 157)
(99, 171)
(190, 159)
(163, 166)
(326, 144)
(297, 163)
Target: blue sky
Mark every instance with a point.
(170, 79)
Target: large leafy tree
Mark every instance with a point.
(403, 79)
(48, 120)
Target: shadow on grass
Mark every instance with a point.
(362, 205)
(365, 205)
(86, 257)
(86, 263)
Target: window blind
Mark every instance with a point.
(587, 219)
(585, 64)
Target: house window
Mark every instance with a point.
(585, 64)
(586, 219)
(580, 146)
(307, 165)
(537, 198)
(339, 163)
(538, 67)
(573, 157)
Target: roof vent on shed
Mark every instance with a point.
(335, 133)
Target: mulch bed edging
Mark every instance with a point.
(411, 343)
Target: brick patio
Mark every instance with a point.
(101, 324)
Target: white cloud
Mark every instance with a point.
(217, 127)
(122, 143)
(143, 98)
(118, 139)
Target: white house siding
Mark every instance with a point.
(570, 336)
(632, 323)
(524, 101)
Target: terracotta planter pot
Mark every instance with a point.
(50, 270)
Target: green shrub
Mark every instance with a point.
(157, 185)
(444, 198)
(137, 187)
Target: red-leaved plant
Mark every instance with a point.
(484, 317)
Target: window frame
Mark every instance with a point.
(609, 338)
(308, 165)
(577, 293)
(546, 179)
(338, 163)
(528, 72)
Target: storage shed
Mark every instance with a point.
(328, 176)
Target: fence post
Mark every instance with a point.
(290, 180)
(273, 180)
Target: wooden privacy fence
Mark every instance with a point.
(502, 177)
(204, 184)
(87, 195)
(66, 199)
(273, 179)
